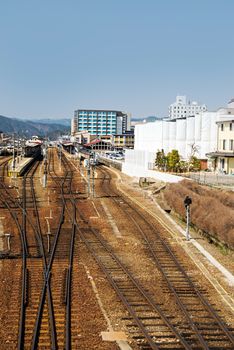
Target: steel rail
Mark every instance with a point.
(69, 283)
(25, 254)
(48, 269)
(137, 285)
(205, 303)
(24, 267)
(71, 254)
(4, 164)
(45, 286)
(143, 293)
(38, 233)
(49, 294)
(139, 288)
(131, 311)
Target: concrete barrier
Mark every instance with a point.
(111, 163)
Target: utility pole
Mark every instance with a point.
(80, 166)
(93, 177)
(17, 149)
(187, 203)
(88, 173)
(60, 157)
(45, 167)
(13, 161)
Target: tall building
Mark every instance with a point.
(101, 122)
(181, 108)
(73, 126)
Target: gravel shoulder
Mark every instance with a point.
(174, 226)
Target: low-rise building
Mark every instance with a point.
(82, 137)
(222, 160)
(123, 140)
(98, 145)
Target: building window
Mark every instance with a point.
(230, 126)
(224, 144)
(222, 163)
(221, 127)
(231, 145)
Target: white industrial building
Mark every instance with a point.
(199, 131)
(181, 108)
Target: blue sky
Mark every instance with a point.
(133, 55)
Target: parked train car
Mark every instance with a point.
(32, 151)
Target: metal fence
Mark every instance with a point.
(110, 162)
(213, 179)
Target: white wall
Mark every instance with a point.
(148, 136)
(172, 135)
(139, 158)
(165, 136)
(136, 162)
(190, 135)
(205, 133)
(181, 136)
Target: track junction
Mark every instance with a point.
(148, 287)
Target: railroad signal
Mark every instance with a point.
(187, 203)
(45, 167)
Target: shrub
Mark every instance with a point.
(212, 211)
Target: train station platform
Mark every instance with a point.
(21, 165)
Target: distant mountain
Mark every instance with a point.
(151, 118)
(65, 122)
(29, 128)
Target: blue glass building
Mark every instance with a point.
(101, 122)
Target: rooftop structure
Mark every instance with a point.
(231, 103)
(181, 108)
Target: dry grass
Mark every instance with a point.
(212, 210)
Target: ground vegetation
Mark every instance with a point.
(172, 162)
(212, 210)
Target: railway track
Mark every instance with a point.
(49, 271)
(33, 271)
(45, 298)
(151, 326)
(60, 266)
(132, 294)
(203, 328)
(3, 167)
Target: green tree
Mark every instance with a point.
(183, 166)
(173, 160)
(161, 160)
(194, 164)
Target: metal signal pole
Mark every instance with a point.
(187, 203)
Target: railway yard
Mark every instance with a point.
(98, 271)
